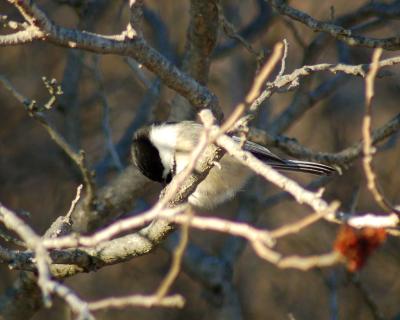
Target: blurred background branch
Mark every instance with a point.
(123, 64)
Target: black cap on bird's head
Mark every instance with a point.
(147, 157)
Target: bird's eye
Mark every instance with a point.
(168, 178)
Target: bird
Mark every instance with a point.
(162, 150)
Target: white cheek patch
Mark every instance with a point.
(164, 139)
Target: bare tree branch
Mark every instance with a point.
(366, 131)
(78, 158)
(137, 48)
(344, 157)
(340, 33)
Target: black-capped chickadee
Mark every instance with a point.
(162, 150)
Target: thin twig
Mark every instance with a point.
(74, 202)
(299, 225)
(173, 272)
(368, 150)
(174, 301)
(230, 30)
(77, 158)
(283, 60)
(292, 80)
(255, 89)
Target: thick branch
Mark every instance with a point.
(137, 48)
(338, 32)
(344, 157)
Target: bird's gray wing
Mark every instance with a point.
(278, 163)
(259, 151)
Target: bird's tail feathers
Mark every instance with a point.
(303, 166)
